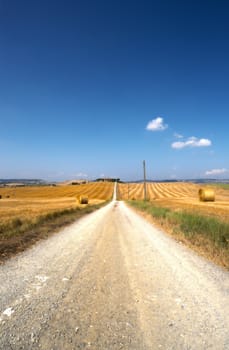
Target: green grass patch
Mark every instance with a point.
(157, 212)
(220, 185)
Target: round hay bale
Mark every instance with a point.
(206, 195)
(83, 199)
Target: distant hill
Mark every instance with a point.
(37, 182)
(21, 182)
(73, 182)
(223, 181)
(108, 179)
(140, 181)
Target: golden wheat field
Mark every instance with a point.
(32, 201)
(178, 195)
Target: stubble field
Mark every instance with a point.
(176, 208)
(30, 202)
(179, 196)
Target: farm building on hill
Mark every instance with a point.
(108, 179)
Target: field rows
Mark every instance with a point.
(96, 190)
(158, 190)
(178, 196)
(30, 202)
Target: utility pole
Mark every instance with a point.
(144, 173)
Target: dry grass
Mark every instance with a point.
(28, 203)
(95, 190)
(30, 213)
(208, 236)
(19, 234)
(176, 208)
(179, 196)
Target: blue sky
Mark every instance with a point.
(91, 88)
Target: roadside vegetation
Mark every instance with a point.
(30, 213)
(16, 235)
(207, 235)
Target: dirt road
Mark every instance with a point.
(112, 281)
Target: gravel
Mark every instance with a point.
(112, 281)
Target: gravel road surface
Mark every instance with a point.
(112, 281)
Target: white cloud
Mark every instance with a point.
(178, 136)
(216, 171)
(191, 142)
(156, 125)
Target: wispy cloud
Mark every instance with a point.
(81, 175)
(156, 125)
(191, 142)
(216, 171)
(178, 136)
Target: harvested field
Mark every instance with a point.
(179, 196)
(30, 202)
